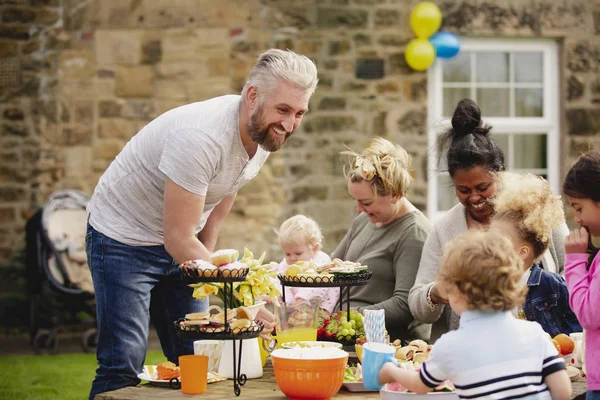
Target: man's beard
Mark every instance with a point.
(262, 135)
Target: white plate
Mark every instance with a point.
(389, 395)
(356, 387)
(151, 376)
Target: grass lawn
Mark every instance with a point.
(65, 376)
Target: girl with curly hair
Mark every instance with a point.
(526, 212)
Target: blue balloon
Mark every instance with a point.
(446, 44)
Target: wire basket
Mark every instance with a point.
(197, 275)
(218, 332)
(358, 279)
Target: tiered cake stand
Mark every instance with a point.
(224, 332)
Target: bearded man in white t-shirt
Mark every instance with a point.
(163, 201)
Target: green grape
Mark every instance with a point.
(359, 324)
(344, 332)
(351, 332)
(352, 323)
(347, 325)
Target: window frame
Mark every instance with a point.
(549, 123)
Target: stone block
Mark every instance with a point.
(575, 88)
(306, 193)
(110, 108)
(151, 52)
(21, 15)
(199, 90)
(415, 90)
(75, 134)
(76, 64)
(339, 47)
(173, 89)
(78, 161)
(107, 149)
(123, 47)
(14, 31)
(323, 124)
(288, 16)
(387, 87)
(9, 194)
(583, 121)
(393, 40)
(332, 103)
(413, 122)
(182, 70)
(139, 110)
(13, 114)
(387, 18)
(115, 129)
(362, 39)
(77, 88)
(342, 18)
(8, 49)
(596, 16)
(8, 215)
(17, 129)
(135, 81)
(46, 17)
(186, 45)
(219, 67)
(583, 56)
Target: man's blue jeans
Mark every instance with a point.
(134, 285)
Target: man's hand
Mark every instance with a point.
(577, 241)
(268, 320)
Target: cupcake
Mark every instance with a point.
(233, 269)
(198, 268)
(225, 256)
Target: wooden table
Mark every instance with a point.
(264, 388)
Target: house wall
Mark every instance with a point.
(91, 73)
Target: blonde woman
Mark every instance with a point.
(387, 235)
(526, 212)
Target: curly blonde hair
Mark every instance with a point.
(300, 229)
(527, 201)
(486, 269)
(385, 165)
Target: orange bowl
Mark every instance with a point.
(309, 379)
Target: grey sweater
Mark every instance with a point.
(392, 252)
(447, 227)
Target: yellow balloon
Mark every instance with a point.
(425, 19)
(419, 54)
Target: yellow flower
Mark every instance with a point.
(200, 292)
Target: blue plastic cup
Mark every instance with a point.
(374, 356)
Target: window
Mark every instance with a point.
(515, 83)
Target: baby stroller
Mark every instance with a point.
(58, 278)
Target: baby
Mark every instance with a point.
(300, 239)
(492, 354)
(527, 211)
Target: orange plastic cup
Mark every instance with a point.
(193, 372)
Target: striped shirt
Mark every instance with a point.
(198, 146)
(493, 355)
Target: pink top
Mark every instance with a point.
(584, 299)
(329, 296)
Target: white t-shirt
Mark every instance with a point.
(198, 146)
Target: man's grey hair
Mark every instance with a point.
(276, 65)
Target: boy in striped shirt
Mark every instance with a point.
(492, 354)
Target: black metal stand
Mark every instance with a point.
(343, 282)
(236, 335)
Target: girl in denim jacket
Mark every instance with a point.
(527, 211)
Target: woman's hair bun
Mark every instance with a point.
(467, 118)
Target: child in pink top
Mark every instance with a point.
(300, 239)
(582, 264)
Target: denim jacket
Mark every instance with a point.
(547, 303)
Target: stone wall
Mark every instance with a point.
(93, 72)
